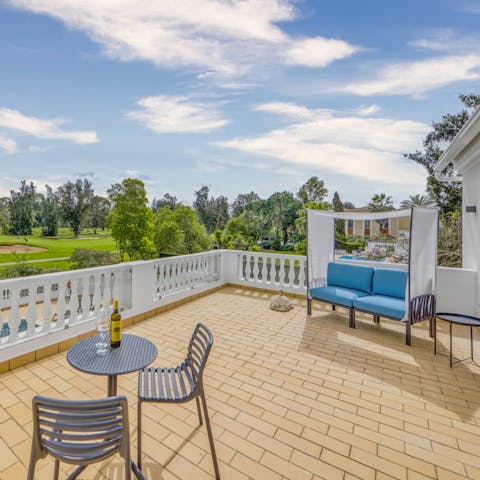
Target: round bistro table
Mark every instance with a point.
(458, 319)
(133, 354)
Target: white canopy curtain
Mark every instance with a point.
(422, 255)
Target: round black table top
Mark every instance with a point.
(133, 354)
(459, 318)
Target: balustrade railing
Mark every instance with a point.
(41, 310)
(32, 307)
(272, 271)
(173, 275)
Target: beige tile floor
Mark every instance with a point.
(290, 396)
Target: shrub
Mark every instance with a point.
(87, 258)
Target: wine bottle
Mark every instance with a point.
(115, 326)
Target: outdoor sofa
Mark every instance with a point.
(378, 291)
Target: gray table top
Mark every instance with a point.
(133, 354)
(459, 319)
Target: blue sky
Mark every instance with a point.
(239, 96)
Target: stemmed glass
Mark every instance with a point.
(103, 325)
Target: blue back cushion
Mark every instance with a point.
(357, 277)
(391, 283)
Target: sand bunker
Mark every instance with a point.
(20, 248)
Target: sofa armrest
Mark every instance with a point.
(422, 308)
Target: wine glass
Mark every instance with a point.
(103, 325)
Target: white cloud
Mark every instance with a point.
(318, 51)
(368, 110)
(44, 129)
(416, 78)
(364, 148)
(286, 109)
(225, 37)
(8, 145)
(174, 114)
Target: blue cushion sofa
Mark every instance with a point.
(379, 291)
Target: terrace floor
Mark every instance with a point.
(291, 397)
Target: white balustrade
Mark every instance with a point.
(271, 270)
(42, 310)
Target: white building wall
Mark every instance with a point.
(471, 221)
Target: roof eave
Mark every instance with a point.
(463, 138)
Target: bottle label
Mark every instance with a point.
(115, 334)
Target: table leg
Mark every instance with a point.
(450, 344)
(471, 341)
(434, 335)
(112, 385)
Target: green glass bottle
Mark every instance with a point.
(115, 326)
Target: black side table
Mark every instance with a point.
(133, 354)
(458, 319)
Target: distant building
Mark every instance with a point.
(393, 227)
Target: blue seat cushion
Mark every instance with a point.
(336, 295)
(388, 282)
(382, 306)
(355, 277)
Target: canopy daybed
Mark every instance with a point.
(389, 291)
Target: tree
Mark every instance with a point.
(450, 240)
(131, 221)
(4, 215)
(338, 207)
(167, 201)
(201, 205)
(75, 201)
(337, 203)
(212, 212)
(99, 212)
(49, 213)
(241, 202)
(178, 231)
(348, 206)
(380, 202)
(418, 201)
(447, 195)
(22, 209)
(313, 190)
(283, 212)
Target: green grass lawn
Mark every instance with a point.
(56, 247)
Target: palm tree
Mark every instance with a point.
(380, 202)
(418, 201)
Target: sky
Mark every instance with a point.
(237, 95)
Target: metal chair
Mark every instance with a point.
(79, 432)
(178, 385)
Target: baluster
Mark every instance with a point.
(255, 268)
(47, 305)
(195, 272)
(32, 312)
(281, 271)
(160, 280)
(264, 270)
(73, 302)
(210, 268)
(116, 284)
(303, 275)
(61, 303)
(85, 300)
(107, 291)
(249, 269)
(14, 317)
(97, 295)
(285, 281)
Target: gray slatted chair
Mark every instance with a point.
(178, 385)
(79, 432)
